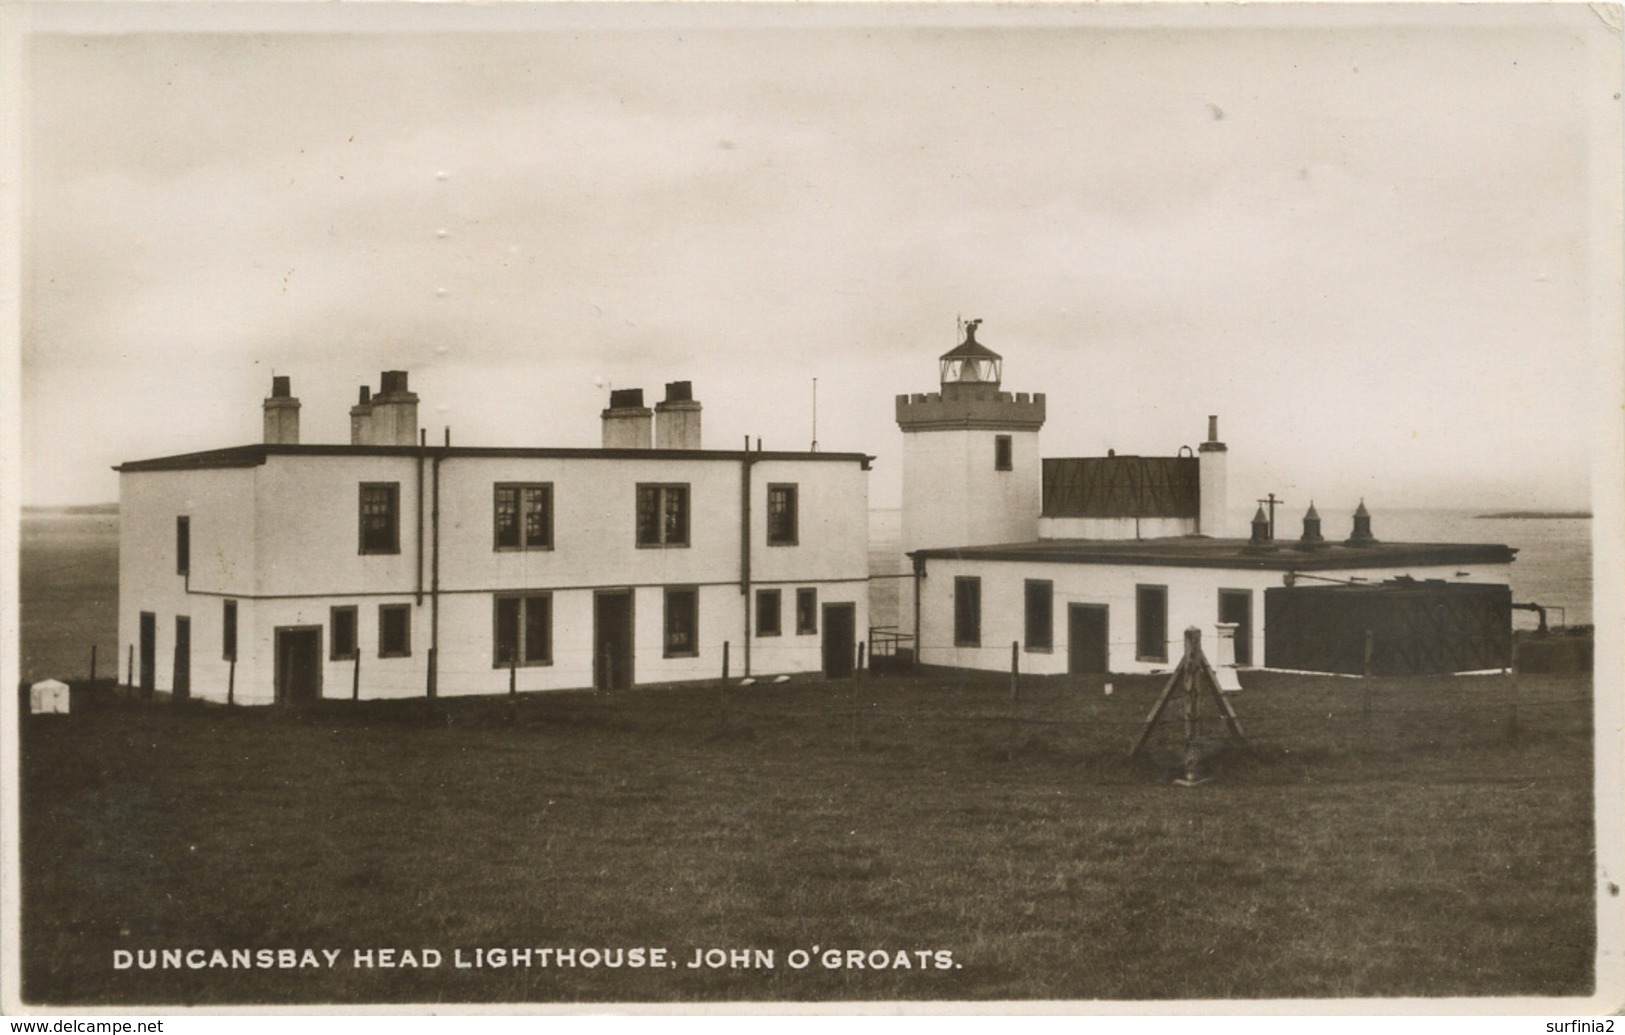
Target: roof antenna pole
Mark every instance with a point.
(815, 416)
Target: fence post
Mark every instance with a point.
(1015, 697)
(513, 678)
(129, 682)
(860, 655)
(92, 664)
(231, 681)
(724, 661)
(355, 676)
(1512, 707)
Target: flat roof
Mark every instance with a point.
(257, 454)
(1203, 552)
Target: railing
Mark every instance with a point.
(886, 641)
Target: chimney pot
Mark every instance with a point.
(1213, 427)
(366, 396)
(392, 381)
(281, 387)
(679, 391)
(626, 399)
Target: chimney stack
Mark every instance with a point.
(677, 418)
(627, 423)
(361, 419)
(281, 414)
(1213, 481)
(393, 420)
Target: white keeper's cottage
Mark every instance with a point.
(390, 567)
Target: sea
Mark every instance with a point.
(69, 575)
(1553, 565)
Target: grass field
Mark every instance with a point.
(1384, 838)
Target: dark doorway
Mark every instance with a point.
(1086, 626)
(183, 657)
(840, 639)
(298, 664)
(612, 639)
(1236, 605)
(149, 652)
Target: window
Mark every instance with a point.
(781, 515)
(228, 630)
(1151, 623)
(524, 517)
(682, 622)
(183, 545)
(1040, 615)
(343, 646)
(1001, 453)
(524, 630)
(394, 630)
(767, 612)
(662, 515)
(806, 612)
(967, 611)
(380, 517)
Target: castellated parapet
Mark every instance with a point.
(971, 406)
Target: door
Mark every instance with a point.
(149, 652)
(298, 664)
(183, 657)
(612, 639)
(1086, 626)
(1236, 605)
(840, 639)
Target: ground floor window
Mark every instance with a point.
(806, 611)
(1151, 623)
(524, 629)
(228, 634)
(394, 630)
(767, 612)
(682, 622)
(343, 639)
(967, 611)
(1040, 615)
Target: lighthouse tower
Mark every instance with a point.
(971, 469)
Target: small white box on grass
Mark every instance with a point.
(48, 697)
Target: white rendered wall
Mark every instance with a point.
(223, 557)
(953, 496)
(1114, 528)
(287, 533)
(1193, 599)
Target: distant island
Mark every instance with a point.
(1531, 514)
(81, 508)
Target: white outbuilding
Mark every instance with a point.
(48, 697)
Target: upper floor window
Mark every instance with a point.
(524, 630)
(781, 515)
(662, 515)
(1001, 453)
(380, 517)
(524, 517)
(183, 545)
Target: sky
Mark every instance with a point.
(1365, 240)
